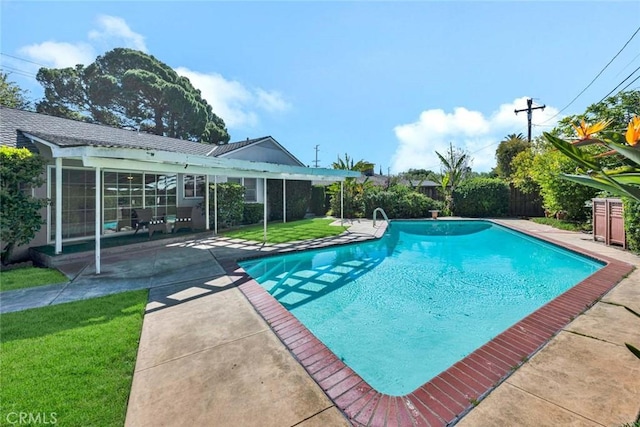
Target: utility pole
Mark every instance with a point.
(529, 111)
(315, 162)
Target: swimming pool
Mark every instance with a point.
(403, 308)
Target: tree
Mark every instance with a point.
(353, 190)
(129, 88)
(20, 218)
(348, 164)
(617, 109)
(11, 95)
(507, 150)
(455, 165)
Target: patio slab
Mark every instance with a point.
(598, 324)
(181, 330)
(627, 293)
(251, 381)
(599, 380)
(516, 407)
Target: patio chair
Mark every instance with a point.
(184, 218)
(146, 219)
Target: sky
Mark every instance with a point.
(386, 82)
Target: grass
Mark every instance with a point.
(562, 224)
(28, 277)
(303, 229)
(73, 362)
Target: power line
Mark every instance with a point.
(18, 70)
(22, 59)
(15, 71)
(595, 78)
(620, 84)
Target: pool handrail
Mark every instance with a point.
(384, 214)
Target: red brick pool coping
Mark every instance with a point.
(447, 397)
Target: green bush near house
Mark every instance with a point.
(253, 213)
(230, 204)
(481, 197)
(20, 217)
(632, 223)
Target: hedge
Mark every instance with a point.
(252, 213)
(632, 224)
(298, 196)
(481, 197)
(400, 202)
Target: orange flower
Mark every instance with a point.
(633, 131)
(585, 131)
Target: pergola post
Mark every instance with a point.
(98, 218)
(215, 205)
(58, 248)
(206, 202)
(284, 200)
(264, 191)
(341, 202)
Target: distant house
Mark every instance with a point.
(98, 175)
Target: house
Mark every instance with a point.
(98, 175)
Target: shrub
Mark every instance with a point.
(559, 194)
(20, 217)
(298, 196)
(252, 213)
(318, 198)
(354, 193)
(482, 197)
(632, 223)
(400, 202)
(230, 204)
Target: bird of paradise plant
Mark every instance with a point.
(623, 180)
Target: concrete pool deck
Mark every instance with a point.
(194, 368)
(206, 357)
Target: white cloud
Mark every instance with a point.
(231, 100)
(468, 130)
(111, 32)
(271, 101)
(59, 54)
(116, 32)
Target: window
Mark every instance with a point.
(250, 188)
(193, 185)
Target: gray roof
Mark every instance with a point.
(70, 133)
(232, 146)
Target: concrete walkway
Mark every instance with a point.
(207, 358)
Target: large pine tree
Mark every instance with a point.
(129, 88)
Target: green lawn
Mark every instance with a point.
(73, 362)
(279, 232)
(28, 277)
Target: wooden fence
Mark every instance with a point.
(522, 204)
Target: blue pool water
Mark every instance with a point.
(402, 309)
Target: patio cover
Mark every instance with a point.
(117, 156)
